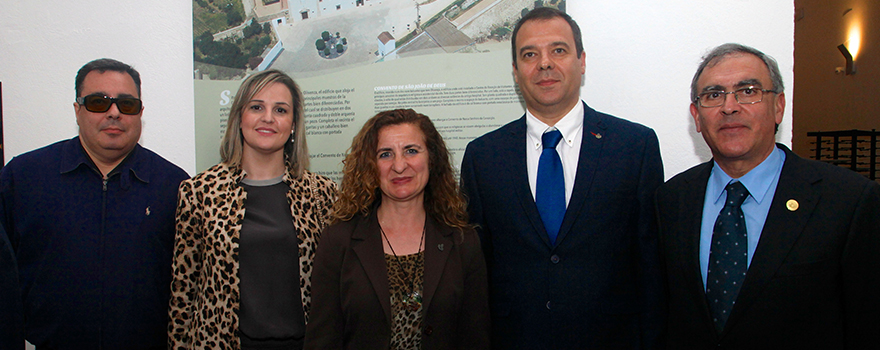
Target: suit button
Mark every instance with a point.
(548, 305)
(554, 259)
(429, 330)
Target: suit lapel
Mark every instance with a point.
(781, 229)
(592, 140)
(438, 245)
(514, 149)
(367, 245)
(688, 238)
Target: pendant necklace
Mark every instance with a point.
(412, 300)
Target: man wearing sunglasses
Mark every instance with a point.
(91, 222)
(764, 249)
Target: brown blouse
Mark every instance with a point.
(406, 306)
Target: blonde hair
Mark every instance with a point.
(296, 153)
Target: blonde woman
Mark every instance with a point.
(248, 227)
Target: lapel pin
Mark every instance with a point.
(792, 205)
(596, 134)
(440, 246)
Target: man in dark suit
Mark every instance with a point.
(802, 274)
(568, 231)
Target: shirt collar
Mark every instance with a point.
(757, 181)
(73, 156)
(567, 126)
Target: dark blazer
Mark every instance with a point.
(351, 304)
(814, 280)
(11, 312)
(599, 287)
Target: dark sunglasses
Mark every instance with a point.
(100, 104)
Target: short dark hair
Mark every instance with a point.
(546, 13)
(102, 65)
(732, 48)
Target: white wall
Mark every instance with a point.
(641, 56)
(43, 44)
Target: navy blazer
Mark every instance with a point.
(599, 287)
(12, 314)
(814, 279)
(351, 302)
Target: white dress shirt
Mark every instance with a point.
(569, 148)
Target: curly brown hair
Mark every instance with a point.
(360, 174)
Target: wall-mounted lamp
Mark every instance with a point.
(850, 64)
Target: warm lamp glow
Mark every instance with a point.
(854, 39)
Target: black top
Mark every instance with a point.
(271, 304)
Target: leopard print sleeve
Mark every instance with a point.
(322, 195)
(187, 265)
(327, 191)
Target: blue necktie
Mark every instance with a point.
(550, 188)
(728, 256)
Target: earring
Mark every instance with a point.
(292, 139)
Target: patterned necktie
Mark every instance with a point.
(728, 256)
(550, 187)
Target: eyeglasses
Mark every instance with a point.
(746, 96)
(99, 103)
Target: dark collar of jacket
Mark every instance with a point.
(135, 165)
(367, 244)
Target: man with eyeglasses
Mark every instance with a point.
(764, 249)
(91, 222)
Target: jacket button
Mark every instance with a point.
(429, 330)
(554, 259)
(548, 305)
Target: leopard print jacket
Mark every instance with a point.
(204, 287)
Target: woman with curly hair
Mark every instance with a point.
(400, 268)
(247, 229)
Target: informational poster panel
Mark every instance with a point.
(449, 60)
